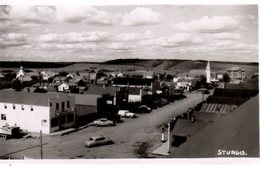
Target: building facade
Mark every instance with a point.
(33, 112)
(236, 73)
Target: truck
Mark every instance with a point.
(7, 131)
(126, 114)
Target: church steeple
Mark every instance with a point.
(208, 76)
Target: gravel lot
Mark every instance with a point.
(134, 138)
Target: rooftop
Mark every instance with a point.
(36, 99)
(133, 81)
(100, 90)
(238, 130)
(235, 69)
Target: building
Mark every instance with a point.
(236, 73)
(93, 76)
(92, 106)
(67, 87)
(136, 94)
(208, 75)
(33, 112)
(152, 84)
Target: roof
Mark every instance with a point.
(238, 130)
(133, 81)
(36, 99)
(99, 90)
(235, 69)
(242, 86)
(92, 71)
(68, 84)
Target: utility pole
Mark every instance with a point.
(169, 136)
(41, 143)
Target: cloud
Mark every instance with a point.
(225, 36)
(13, 39)
(128, 37)
(28, 14)
(67, 46)
(210, 25)
(176, 40)
(119, 46)
(141, 16)
(85, 14)
(74, 37)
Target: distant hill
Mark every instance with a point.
(132, 64)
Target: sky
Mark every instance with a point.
(101, 33)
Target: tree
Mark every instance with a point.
(226, 78)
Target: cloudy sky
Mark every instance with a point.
(100, 33)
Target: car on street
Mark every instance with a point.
(126, 114)
(103, 122)
(97, 141)
(143, 109)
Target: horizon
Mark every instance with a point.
(226, 33)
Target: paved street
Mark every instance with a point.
(133, 138)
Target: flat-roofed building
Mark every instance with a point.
(33, 112)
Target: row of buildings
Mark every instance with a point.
(52, 111)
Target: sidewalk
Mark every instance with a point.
(69, 130)
(162, 150)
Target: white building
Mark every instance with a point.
(208, 73)
(33, 112)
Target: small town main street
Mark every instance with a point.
(133, 138)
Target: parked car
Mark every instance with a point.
(126, 114)
(144, 109)
(103, 122)
(97, 141)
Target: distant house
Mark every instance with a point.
(183, 82)
(33, 112)
(2, 77)
(92, 75)
(236, 73)
(59, 79)
(67, 87)
(46, 75)
(2, 80)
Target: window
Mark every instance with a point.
(54, 122)
(50, 104)
(13, 106)
(31, 108)
(68, 104)
(5, 106)
(22, 107)
(3, 116)
(70, 118)
(57, 106)
(63, 106)
(63, 119)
